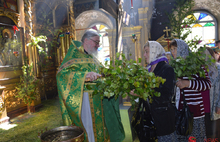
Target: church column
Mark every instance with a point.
(72, 21)
(143, 20)
(138, 43)
(21, 22)
(112, 49)
(28, 27)
(32, 52)
(147, 3)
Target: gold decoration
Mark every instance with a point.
(98, 112)
(15, 17)
(67, 42)
(72, 22)
(58, 57)
(167, 31)
(100, 132)
(7, 31)
(62, 44)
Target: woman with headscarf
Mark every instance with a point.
(162, 110)
(191, 88)
(212, 117)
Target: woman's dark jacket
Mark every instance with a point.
(162, 110)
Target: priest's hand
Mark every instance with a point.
(182, 83)
(217, 110)
(91, 76)
(133, 94)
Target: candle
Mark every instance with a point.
(131, 3)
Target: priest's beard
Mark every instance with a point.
(94, 53)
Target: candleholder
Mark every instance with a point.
(134, 38)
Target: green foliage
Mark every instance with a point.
(47, 29)
(35, 42)
(178, 18)
(191, 64)
(28, 84)
(123, 77)
(38, 42)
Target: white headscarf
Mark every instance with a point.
(157, 54)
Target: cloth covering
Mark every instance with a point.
(182, 48)
(157, 54)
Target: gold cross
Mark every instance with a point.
(98, 112)
(100, 132)
(167, 30)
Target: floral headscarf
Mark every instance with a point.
(157, 54)
(182, 48)
(182, 51)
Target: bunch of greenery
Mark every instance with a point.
(185, 67)
(123, 77)
(28, 84)
(178, 20)
(38, 42)
(46, 28)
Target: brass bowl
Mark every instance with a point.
(63, 134)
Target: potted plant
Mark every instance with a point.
(27, 86)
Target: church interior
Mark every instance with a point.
(35, 36)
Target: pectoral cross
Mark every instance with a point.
(167, 31)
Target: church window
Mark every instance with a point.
(44, 14)
(103, 50)
(61, 14)
(204, 28)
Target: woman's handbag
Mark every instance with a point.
(143, 124)
(184, 120)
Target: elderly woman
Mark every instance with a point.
(192, 90)
(161, 108)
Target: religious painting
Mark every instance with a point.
(10, 46)
(61, 16)
(9, 5)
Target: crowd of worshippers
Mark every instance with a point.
(202, 95)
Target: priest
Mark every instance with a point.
(99, 118)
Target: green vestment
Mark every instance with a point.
(71, 85)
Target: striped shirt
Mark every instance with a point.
(193, 94)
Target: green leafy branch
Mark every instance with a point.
(178, 20)
(186, 67)
(28, 84)
(123, 77)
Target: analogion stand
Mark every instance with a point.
(126, 116)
